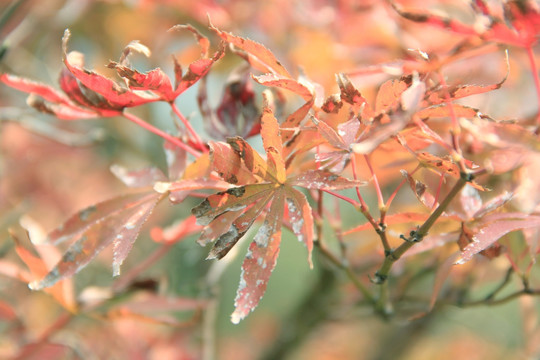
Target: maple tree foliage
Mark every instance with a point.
(228, 216)
(433, 179)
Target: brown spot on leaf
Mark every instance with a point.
(201, 209)
(232, 179)
(238, 192)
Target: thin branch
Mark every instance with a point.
(503, 300)
(502, 285)
(418, 235)
(350, 273)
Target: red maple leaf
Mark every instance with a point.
(157, 82)
(262, 186)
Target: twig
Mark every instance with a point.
(350, 273)
(415, 236)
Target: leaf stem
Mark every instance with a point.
(360, 198)
(534, 70)
(375, 183)
(364, 209)
(456, 130)
(393, 195)
(161, 133)
(438, 192)
(197, 139)
(356, 204)
(481, 302)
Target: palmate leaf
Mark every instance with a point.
(119, 220)
(394, 116)
(157, 82)
(114, 96)
(293, 121)
(275, 75)
(342, 139)
(444, 165)
(38, 262)
(116, 221)
(262, 186)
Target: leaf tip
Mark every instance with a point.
(236, 317)
(116, 269)
(162, 187)
(65, 38)
(35, 285)
(210, 25)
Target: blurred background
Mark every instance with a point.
(49, 169)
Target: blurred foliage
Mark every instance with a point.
(305, 314)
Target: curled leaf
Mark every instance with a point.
(258, 56)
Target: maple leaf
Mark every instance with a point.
(520, 26)
(97, 91)
(117, 221)
(343, 139)
(261, 185)
(157, 82)
(86, 93)
(39, 264)
(393, 115)
(275, 75)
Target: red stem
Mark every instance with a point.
(438, 193)
(188, 126)
(363, 206)
(376, 183)
(391, 198)
(456, 130)
(360, 198)
(356, 204)
(534, 70)
(161, 133)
